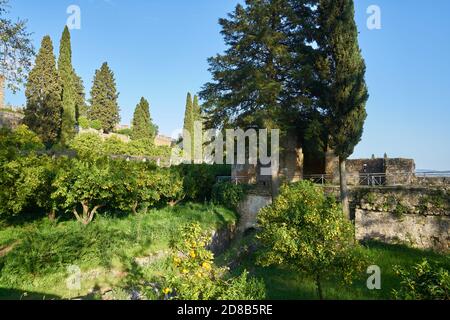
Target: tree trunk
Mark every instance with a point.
(52, 215)
(134, 208)
(344, 188)
(319, 288)
(2, 91)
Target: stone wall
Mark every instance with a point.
(390, 172)
(399, 171)
(10, 119)
(416, 216)
(419, 231)
(249, 208)
(357, 167)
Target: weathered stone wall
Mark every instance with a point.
(416, 216)
(10, 119)
(419, 231)
(249, 208)
(432, 181)
(399, 171)
(357, 167)
(245, 173)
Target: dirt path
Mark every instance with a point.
(5, 250)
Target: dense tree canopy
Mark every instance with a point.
(16, 50)
(258, 78)
(104, 105)
(43, 92)
(67, 76)
(143, 126)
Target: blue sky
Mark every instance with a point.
(158, 49)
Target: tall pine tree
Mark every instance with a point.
(69, 95)
(342, 71)
(143, 126)
(257, 80)
(43, 92)
(104, 106)
(262, 77)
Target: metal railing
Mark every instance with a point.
(361, 179)
(319, 178)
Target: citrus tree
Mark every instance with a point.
(195, 277)
(142, 185)
(308, 231)
(86, 185)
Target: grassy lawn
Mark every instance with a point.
(285, 283)
(34, 256)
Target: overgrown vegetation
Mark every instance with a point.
(91, 145)
(423, 281)
(195, 277)
(228, 194)
(41, 251)
(199, 179)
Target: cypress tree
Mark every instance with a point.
(43, 92)
(143, 127)
(196, 109)
(189, 116)
(69, 95)
(342, 71)
(104, 95)
(197, 117)
(80, 97)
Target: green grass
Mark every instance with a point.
(285, 283)
(34, 264)
(38, 253)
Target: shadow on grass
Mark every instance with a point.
(283, 282)
(15, 294)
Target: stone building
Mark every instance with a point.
(297, 164)
(10, 119)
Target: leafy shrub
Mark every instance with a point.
(142, 185)
(84, 123)
(88, 146)
(424, 281)
(308, 231)
(18, 141)
(195, 277)
(26, 183)
(125, 132)
(96, 124)
(91, 145)
(199, 179)
(370, 198)
(228, 194)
